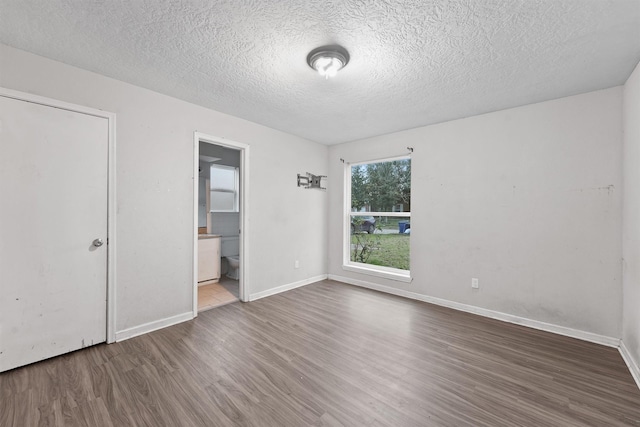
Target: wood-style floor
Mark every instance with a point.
(329, 354)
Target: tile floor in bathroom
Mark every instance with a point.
(212, 295)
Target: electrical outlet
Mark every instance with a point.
(474, 283)
(296, 264)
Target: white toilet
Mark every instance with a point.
(229, 250)
(234, 264)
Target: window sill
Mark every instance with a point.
(384, 272)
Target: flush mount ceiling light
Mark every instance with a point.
(328, 60)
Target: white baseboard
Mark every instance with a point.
(535, 324)
(153, 326)
(286, 287)
(173, 320)
(631, 364)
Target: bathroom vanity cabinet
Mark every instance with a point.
(208, 257)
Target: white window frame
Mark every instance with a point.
(358, 267)
(236, 185)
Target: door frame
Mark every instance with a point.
(244, 211)
(111, 190)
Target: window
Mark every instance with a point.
(378, 213)
(224, 188)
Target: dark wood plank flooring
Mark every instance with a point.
(328, 354)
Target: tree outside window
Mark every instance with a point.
(379, 214)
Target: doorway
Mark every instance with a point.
(221, 170)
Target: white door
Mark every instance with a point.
(53, 205)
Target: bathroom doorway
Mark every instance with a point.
(220, 203)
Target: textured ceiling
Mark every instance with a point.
(413, 62)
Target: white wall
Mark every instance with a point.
(155, 190)
(202, 199)
(527, 199)
(631, 217)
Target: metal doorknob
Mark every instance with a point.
(97, 243)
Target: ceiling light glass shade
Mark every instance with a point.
(328, 60)
(327, 67)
